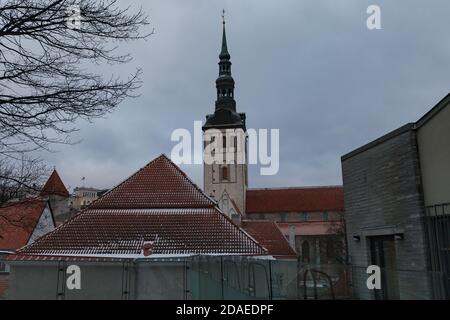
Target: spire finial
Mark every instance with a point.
(224, 53)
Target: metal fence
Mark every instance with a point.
(437, 221)
(216, 278)
(247, 278)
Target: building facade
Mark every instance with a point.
(311, 218)
(395, 194)
(83, 197)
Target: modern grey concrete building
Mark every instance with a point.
(397, 209)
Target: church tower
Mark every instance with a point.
(225, 144)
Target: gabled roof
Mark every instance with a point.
(270, 236)
(54, 186)
(18, 221)
(123, 232)
(158, 205)
(160, 184)
(412, 126)
(434, 111)
(307, 199)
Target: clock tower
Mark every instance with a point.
(225, 150)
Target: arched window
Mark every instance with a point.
(224, 173)
(305, 251)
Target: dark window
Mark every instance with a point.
(305, 251)
(331, 254)
(224, 173)
(325, 216)
(224, 140)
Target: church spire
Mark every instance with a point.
(224, 53)
(225, 82)
(225, 114)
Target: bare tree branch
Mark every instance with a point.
(44, 83)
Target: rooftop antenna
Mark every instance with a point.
(223, 16)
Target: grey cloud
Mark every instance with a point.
(310, 68)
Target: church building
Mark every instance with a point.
(310, 218)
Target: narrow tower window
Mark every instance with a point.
(224, 173)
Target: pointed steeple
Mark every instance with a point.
(225, 82)
(54, 186)
(224, 55)
(225, 113)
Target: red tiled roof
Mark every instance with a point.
(157, 204)
(29, 257)
(270, 237)
(54, 185)
(160, 184)
(124, 232)
(308, 199)
(17, 222)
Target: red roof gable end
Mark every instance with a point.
(18, 221)
(54, 186)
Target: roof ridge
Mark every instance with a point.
(297, 188)
(123, 181)
(21, 201)
(207, 201)
(189, 179)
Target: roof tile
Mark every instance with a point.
(17, 222)
(159, 204)
(54, 185)
(270, 237)
(308, 199)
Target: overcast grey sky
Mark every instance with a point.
(308, 67)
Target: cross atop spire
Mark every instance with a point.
(224, 55)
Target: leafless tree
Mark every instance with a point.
(48, 79)
(19, 179)
(47, 60)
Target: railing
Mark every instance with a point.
(219, 278)
(437, 222)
